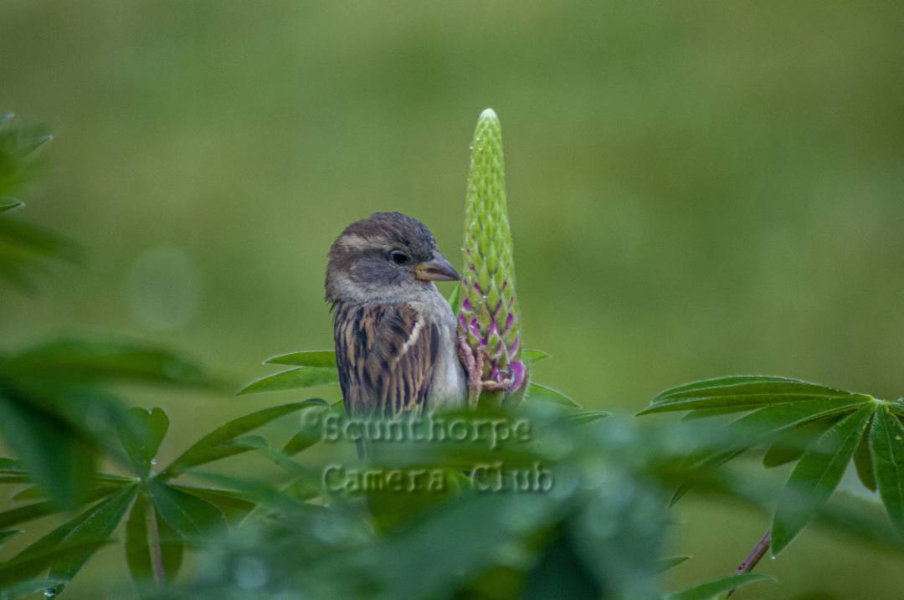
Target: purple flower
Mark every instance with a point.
(488, 321)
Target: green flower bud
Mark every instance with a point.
(488, 321)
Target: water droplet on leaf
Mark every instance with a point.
(53, 592)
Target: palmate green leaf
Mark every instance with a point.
(6, 535)
(311, 430)
(139, 553)
(263, 495)
(95, 525)
(896, 407)
(713, 589)
(776, 418)
(95, 360)
(707, 461)
(23, 514)
(234, 505)
(743, 393)
(32, 492)
(26, 249)
(767, 423)
(142, 441)
(56, 455)
(9, 204)
(312, 358)
(101, 485)
(138, 550)
(23, 567)
(187, 514)
(12, 466)
(532, 356)
(172, 547)
(13, 479)
(27, 588)
(588, 416)
(262, 446)
(886, 445)
(536, 391)
(306, 481)
(671, 562)
(83, 413)
(791, 443)
(58, 535)
(816, 476)
(863, 462)
(727, 382)
(781, 453)
(304, 488)
(218, 443)
(706, 413)
(20, 142)
(85, 533)
(300, 377)
(15, 146)
(30, 242)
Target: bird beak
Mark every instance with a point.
(436, 269)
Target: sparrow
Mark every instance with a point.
(395, 334)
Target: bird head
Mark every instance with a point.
(388, 256)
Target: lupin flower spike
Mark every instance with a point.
(488, 322)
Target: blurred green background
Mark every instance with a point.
(695, 189)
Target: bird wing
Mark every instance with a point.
(386, 355)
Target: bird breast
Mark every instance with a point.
(449, 389)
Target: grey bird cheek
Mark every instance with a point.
(377, 274)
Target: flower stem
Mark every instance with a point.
(758, 552)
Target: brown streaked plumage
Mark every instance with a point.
(394, 332)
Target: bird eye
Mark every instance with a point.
(398, 257)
